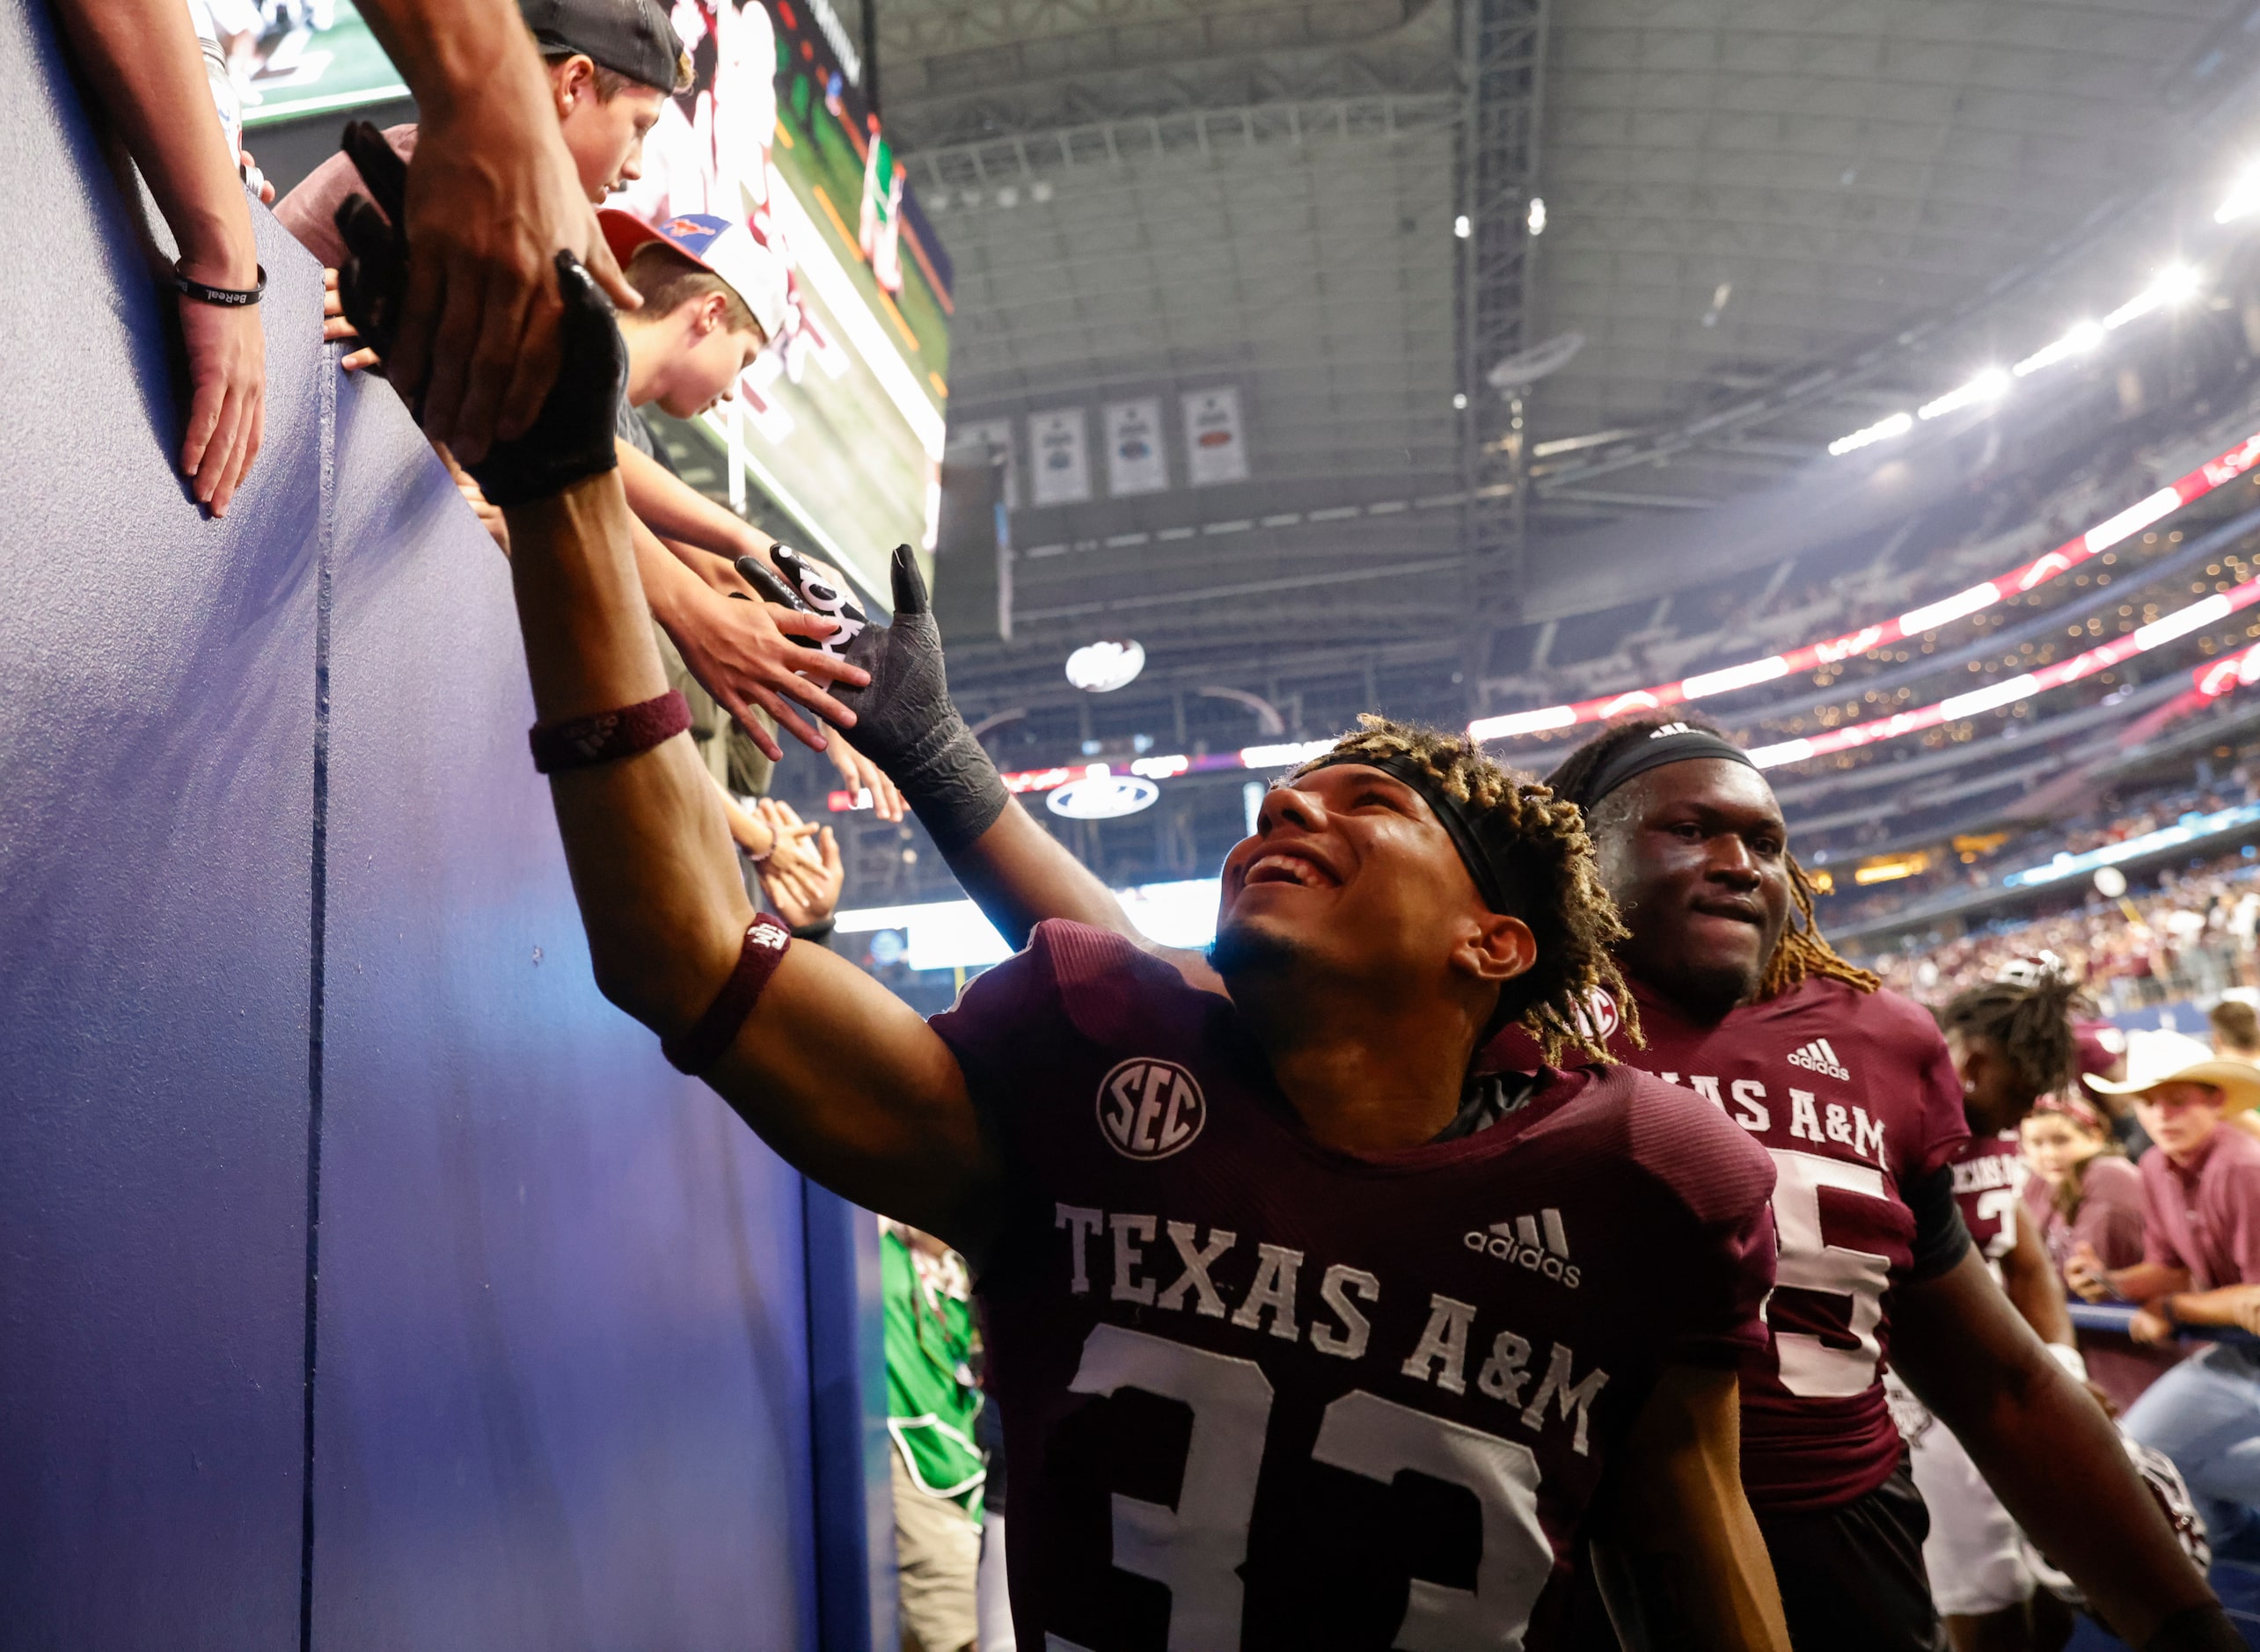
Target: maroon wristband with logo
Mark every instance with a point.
(703, 1043)
(583, 742)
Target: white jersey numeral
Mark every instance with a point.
(1810, 1369)
(1998, 1204)
(1380, 1439)
(1196, 1549)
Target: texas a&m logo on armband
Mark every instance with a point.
(1149, 1108)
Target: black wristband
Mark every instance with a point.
(226, 297)
(820, 932)
(2204, 1629)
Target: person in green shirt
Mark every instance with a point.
(932, 1403)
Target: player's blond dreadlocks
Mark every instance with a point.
(1540, 843)
(1803, 951)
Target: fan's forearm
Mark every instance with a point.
(645, 837)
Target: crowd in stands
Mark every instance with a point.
(2191, 937)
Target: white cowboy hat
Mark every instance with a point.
(2154, 1058)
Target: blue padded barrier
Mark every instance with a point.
(288, 932)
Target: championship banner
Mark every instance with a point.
(1058, 458)
(1216, 449)
(1134, 460)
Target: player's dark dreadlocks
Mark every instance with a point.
(1540, 843)
(2028, 1020)
(1802, 951)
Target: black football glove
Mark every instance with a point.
(904, 720)
(571, 438)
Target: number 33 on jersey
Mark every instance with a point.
(1260, 1394)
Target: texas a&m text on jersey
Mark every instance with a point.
(1259, 1392)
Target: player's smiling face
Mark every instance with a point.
(1697, 859)
(1349, 871)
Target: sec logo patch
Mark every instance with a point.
(1600, 1017)
(1150, 1109)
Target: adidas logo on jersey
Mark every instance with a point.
(1819, 1056)
(1535, 1242)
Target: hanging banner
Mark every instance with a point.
(995, 437)
(1059, 461)
(1216, 449)
(1135, 463)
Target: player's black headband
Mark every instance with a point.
(1461, 822)
(1674, 742)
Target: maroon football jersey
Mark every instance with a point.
(1258, 1392)
(1853, 1094)
(1989, 1176)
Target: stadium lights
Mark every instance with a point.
(1537, 219)
(1898, 425)
(1990, 385)
(2243, 196)
(1461, 227)
(1101, 668)
(2080, 339)
(2171, 286)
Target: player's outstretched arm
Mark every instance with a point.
(1681, 1562)
(833, 1071)
(2049, 1454)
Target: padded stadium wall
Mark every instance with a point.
(366, 1281)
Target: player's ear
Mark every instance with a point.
(1498, 948)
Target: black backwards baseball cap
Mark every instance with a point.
(629, 37)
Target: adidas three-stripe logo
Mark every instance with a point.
(1819, 1056)
(1536, 1242)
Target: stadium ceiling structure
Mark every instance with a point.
(1766, 220)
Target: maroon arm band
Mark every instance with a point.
(703, 1043)
(583, 742)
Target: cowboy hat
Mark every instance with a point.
(2155, 1058)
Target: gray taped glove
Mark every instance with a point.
(906, 724)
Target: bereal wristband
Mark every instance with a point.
(226, 297)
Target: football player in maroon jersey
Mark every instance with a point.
(1298, 1343)
(2012, 1042)
(1853, 1092)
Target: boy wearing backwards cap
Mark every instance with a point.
(2201, 1266)
(713, 298)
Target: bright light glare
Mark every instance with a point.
(1461, 227)
(1898, 425)
(1989, 385)
(2080, 339)
(1537, 215)
(2172, 284)
(2243, 196)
